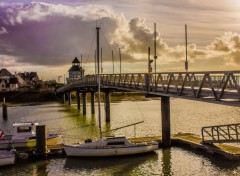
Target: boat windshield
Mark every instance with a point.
(24, 129)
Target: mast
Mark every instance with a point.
(95, 65)
(81, 60)
(120, 60)
(186, 62)
(101, 62)
(113, 61)
(155, 52)
(98, 80)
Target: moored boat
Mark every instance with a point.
(7, 157)
(109, 146)
(24, 136)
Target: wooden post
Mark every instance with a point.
(41, 140)
(78, 99)
(84, 102)
(4, 109)
(165, 108)
(69, 98)
(64, 98)
(107, 105)
(92, 103)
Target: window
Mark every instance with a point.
(116, 143)
(23, 129)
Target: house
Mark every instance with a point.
(28, 79)
(3, 85)
(10, 84)
(5, 74)
(76, 71)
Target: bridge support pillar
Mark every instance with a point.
(84, 102)
(78, 99)
(92, 103)
(107, 105)
(69, 98)
(165, 108)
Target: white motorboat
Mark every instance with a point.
(7, 158)
(24, 136)
(107, 146)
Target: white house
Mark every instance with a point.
(3, 85)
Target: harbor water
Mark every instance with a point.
(186, 116)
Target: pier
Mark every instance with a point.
(192, 141)
(220, 87)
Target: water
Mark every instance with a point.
(186, 116)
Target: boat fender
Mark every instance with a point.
(1, 134)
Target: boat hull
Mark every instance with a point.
(31, 143)
(7, 158)
(76, 151)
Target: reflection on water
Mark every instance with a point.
(112, 165)
(186, 116)
(166, 162)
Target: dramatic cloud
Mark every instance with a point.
(227, 46)
(3, 31)
(47, 35)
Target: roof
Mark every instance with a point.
(76, 68)
(5, 72)
(22, 124)
(75, 60)
(28, 75)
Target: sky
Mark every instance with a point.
(45, 36)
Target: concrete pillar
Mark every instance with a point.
(165, 107)
(78, 99)
(107, 105)
(92, 103)
(84, 102)
(69, 98)
(41, 139)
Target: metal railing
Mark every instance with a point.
(221, 133)
(210, 86)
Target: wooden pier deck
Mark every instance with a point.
(228, 151)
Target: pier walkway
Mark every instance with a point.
(215, 86)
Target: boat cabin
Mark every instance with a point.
(111, 141)
(24, 129)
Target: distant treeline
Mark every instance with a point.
(47, 96)
(31, 96)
